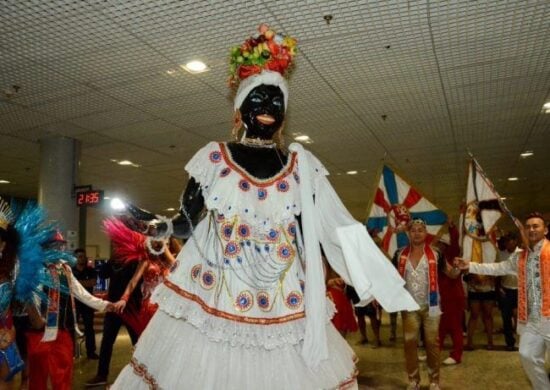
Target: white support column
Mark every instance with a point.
(59, 160)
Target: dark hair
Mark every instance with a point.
(510, 236)
(79, 250)
(536, 214)
(9, 254)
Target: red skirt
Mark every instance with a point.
(344, 319)
(138, 319)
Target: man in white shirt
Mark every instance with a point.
(508, 292)
(532, 266)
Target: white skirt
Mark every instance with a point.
(173, 354)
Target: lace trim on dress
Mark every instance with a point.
(141, 370)
(269, 334)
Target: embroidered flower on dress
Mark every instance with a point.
(244, 185)
(196, 271)
(262, 297)
(243, 231)
(244, 301)
(293, 300)
(227, 231)
(262, 193)
(232, 249)
(208, 280)
(224, 172)
(215, 156)
(282, 186)
(273, 235)
(292, 229)
(285, 252)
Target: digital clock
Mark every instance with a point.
(89, 198)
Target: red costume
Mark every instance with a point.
(344, 319)
(452, 301)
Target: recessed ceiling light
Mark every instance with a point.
(171, 71)
(527, 153)
(4, 181)
(513, 179)
(502, 198)
(195, 67)
(125, 162)
(351, 172)
(546, 105)
(170, 209)
(303, 138)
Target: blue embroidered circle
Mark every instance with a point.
(196, 271)
(227, 230)
(293, 300)
(215, 156)
(263, 300)
(285, 252)
(243, 231)
(224, 172)
(208, 280)
(292, 229)
(244, 301)
(244, 185)
(232, 249)
(296, 177)
(282, 186)
(262, 193)
(273, 235)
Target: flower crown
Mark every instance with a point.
(267, 50)
(6, 215)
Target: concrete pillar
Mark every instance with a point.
(59, 159)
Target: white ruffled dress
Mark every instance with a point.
(232, 313)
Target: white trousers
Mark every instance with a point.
(532, 351)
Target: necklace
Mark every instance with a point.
(258, 142)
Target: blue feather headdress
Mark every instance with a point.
(33, 254)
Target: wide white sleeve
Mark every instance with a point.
(508, 267)
(353, 254)
(85, 297)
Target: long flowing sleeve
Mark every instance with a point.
(353, 254)
(85, 297)
(508, 267)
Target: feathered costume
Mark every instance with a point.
(130, 246)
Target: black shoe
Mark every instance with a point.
(93, 356)
(96, 381)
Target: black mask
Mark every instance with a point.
(263, 111)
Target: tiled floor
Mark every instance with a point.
(383, 368)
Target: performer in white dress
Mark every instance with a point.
(245, 307)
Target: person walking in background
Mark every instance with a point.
(87, 276)
(508, 293)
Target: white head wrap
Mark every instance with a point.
(266, 77)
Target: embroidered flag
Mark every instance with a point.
(480, 215)
(395, 203)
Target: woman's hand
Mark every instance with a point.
(118, 307)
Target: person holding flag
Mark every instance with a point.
(532, 267)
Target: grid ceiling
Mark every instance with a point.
(416, 84)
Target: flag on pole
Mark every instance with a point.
(481, 213)
(395, 203)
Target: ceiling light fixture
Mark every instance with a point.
(4, 181)
(303, 138)
(513, 179)
(171, 71)
(351, 172)
(502, 198)
(124, 162)
(170, 209)
(546, 108)
(195, 67)
(117, 204)
(527, 153)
